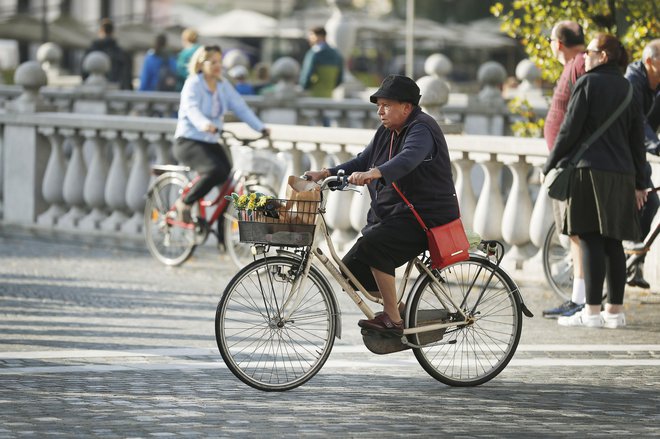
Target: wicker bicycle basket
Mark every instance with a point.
(286, 223)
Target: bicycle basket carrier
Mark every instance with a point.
(280, 222)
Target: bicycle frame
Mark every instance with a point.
(227, 188)
(340, 273)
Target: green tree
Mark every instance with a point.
(634, 22)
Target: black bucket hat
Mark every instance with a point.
(398, 87)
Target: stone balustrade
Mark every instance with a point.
(89, 174)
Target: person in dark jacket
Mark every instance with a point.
(121, 66)
(644, 75)
(322, 68)
(408, 149)
(607, 187)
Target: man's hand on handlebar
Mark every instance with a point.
(362, 178)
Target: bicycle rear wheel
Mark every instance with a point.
(558, 264)
(264, 346)
(473, 353)
(168, 243)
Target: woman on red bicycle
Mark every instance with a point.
(205, 98)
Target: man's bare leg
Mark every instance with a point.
(387, 286)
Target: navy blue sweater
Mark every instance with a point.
(420, 166)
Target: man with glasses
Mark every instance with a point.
(644, 76)
(567, 45)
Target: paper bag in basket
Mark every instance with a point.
(303, 196)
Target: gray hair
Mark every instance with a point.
(652, 50)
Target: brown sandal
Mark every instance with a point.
(383, 323)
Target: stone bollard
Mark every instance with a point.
(342, 33)
(92, 91)
(435, 89)
(50, 55)
(284, 94)
(528, 75)
(486, 111)
(235, 58)
(26, 151)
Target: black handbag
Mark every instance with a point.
(558, 180)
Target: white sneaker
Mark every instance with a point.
(613, 321)
(581, 319)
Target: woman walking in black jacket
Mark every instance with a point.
(607, 186)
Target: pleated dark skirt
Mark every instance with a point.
(602, 202)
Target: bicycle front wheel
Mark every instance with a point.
(473, 353)
(270, 340)
(168, 243)
(558, 264)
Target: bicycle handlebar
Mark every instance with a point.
(337, 182)
(225, 134)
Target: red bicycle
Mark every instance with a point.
(172, 241)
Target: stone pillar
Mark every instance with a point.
(338, 215)
(92, 91)
(26, 151)
(282, 98)
(528, 75)
(486, 111)
(434, 87)
(341, 34)
(50, 56)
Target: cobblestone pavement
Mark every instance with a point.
(100, 340)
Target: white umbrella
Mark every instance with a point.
(244, 23)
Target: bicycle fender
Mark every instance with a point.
(512, 284)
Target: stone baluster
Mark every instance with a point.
(53, 184)
(74, 182)
(542, 218)
(162, 148)
(138, 183)
(518, 212)
(490, 207)
(464, 189)
(115, 186)
(338, 214)
(95, 181)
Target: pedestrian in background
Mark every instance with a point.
(323, 67)
(644, 75)
(159, 68)
(567, 45)
(607, 187)
(189, 39)
(239, 75)
(121, 65)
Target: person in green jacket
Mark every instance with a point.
(323, 66)
(190, 45)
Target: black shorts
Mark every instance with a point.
(385, 246)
